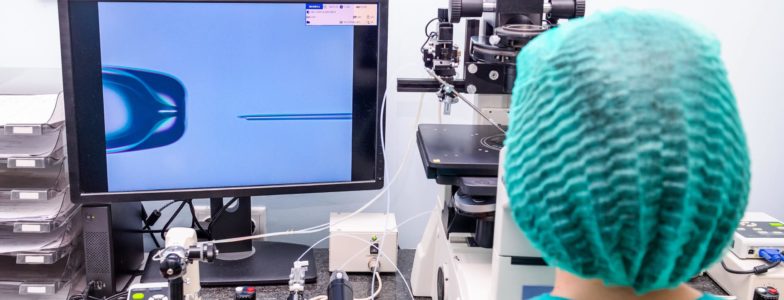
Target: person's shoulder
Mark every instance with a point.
(548, 297)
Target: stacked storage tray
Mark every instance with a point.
(40, 231)
(40, 264)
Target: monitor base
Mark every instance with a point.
(270, 265)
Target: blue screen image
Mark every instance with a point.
(210, 95)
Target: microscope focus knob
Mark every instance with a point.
(172, 266)
(567, 9)
(455, 10)
(465, 9)
(579, 9)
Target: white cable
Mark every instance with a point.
(394, 265)
(389, 192)
(325, 226)
(461, 97)
(378, 291)
(380, 253)
(419, 215)
(383, 151)
(350, 259)
(389, 200)
(314, 246)
(343, 267)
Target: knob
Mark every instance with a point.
(465, 9)
(567, 9)
(579, 9)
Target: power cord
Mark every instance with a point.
(147, 226)
(171, 219)
(151, 219)
(773, 257)
(85, 295)
(195, 221)
(761, 269)
(429, 34)
(220, 213)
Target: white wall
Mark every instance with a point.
(752, 38)
(752, 43)
(28, 34)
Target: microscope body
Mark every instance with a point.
(179, 262)
(471, 248)
(178, 241)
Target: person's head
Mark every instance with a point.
(626, 159)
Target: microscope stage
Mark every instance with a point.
(452, 151)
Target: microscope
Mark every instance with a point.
(179, 265)
(471, 248)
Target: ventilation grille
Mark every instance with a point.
(96, 248)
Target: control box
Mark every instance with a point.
(245, 293)
(350, 241)
(766, 293)
(757, 231)
(149, 291)
(745, 286)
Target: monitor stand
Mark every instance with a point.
(247, 263)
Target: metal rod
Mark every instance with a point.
(461, 97)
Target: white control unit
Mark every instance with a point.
(757, 231)
(350, 239)
(743, 286)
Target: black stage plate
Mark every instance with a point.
(450, 151)
(270, 265)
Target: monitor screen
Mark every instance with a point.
(207, 99)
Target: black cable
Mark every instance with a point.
(168, 223)
(220, 213)
(422, 49)
(130, 281)
(149, 221)
(145, 231)
(85, 295)
(147, 227)
(152, 235)
(427, 33)
(167, 205)
(761, 269)
(194, 220)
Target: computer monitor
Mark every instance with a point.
(210, 99)
(204, 99)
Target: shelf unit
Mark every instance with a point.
(41, 251)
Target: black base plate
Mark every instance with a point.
(451, 151)
(270, 265)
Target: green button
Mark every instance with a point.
(777, 224)
(138, 296)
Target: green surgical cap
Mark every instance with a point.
(626, 159)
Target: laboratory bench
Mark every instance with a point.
(393, 286)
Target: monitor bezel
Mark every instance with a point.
(75, 176)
